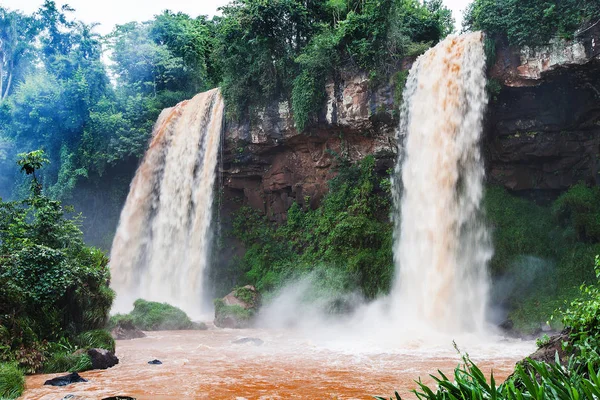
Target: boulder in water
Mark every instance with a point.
(102, 359)
(119, 398)
(255, 341)
(237, 309)
(125, 330)
(65, 380)
(199, 326)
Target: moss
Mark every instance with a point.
(12, 381)
(247, 295)
(399, 81)
(153, 316)
(239, 316)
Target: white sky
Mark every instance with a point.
(111, 12)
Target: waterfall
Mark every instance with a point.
(161, 248)
(441, 245)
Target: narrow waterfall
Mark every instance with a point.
(441, 245)
(161, 247)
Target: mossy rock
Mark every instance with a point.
(238, 308)
(153, 316)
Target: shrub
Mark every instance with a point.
(579, 209)
(54, 286)
(65, 362)
(531, 380)
(12, 381)
(96, 339)
(582, 317)
(348, 237)
(153, 316)
(530, 22)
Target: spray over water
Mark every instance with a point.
(441, 246)
(162, 244)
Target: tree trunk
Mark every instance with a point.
(2, 59)
(10, 75)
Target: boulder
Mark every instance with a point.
(65, 380)
(125, 330)
(254, 341)
(199, 326)
(102, 359)
(119, 398)
(547, 352)
(237, 309)
(155, 362)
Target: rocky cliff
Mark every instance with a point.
(542, 130)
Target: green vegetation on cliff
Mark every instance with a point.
(541, 253)
(348, 237)
(531, 22)
(286, 49)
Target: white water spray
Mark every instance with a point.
(161, 247)
(441, 246)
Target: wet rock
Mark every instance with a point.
(119, 398)
(155, 362)
(102, 359)
(199, 326)
(125, 330)
(65, 380)
(255, 341)
(237, 309)
(547, 352)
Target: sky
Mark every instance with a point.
(111, 12)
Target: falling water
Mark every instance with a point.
(442, 247)
(161, 247)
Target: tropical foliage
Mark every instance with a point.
(531, 21)
(54, 287)
(348, 236)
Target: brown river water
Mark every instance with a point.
(207, 365)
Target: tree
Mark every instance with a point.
(17, 33)
(52, 285)
(29, 163)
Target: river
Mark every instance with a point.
(206, 364)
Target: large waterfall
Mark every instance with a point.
(161, 247)
(441, 246)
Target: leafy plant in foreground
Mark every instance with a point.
(12, 381)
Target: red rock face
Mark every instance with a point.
(269, 165)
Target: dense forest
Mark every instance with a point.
(76, 114)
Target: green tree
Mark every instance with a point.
(52, 285)
(530, 22)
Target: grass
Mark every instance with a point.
(65, 362)
(12, 381)
(99, 338)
